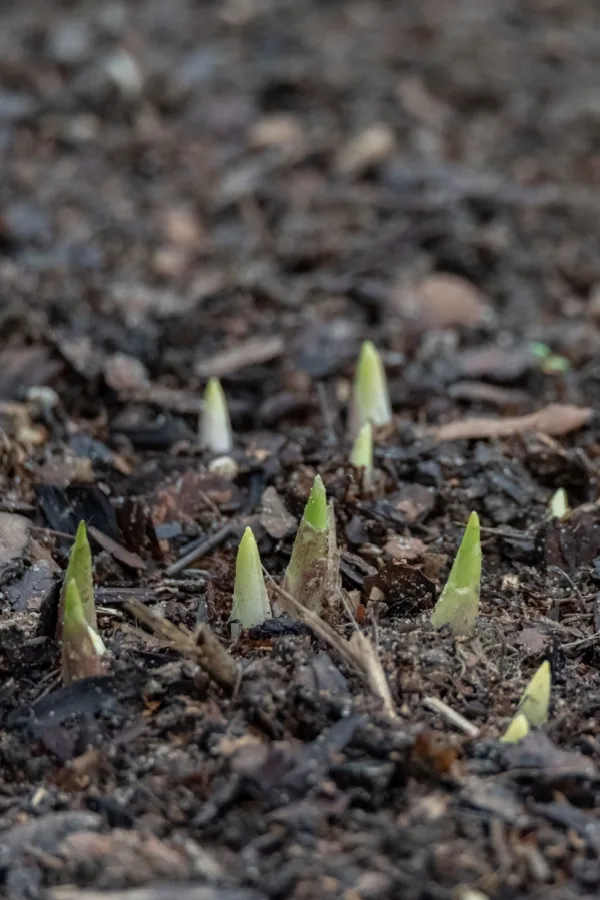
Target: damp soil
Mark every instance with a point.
(250, 189)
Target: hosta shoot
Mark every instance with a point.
(458, 604)
(518, 729)
(559, 504)
(362, 454)
(370, 396)
(80, 569)
(82, 649)
(215, 424)
(313, 568)
(536, 697)
(250, 599)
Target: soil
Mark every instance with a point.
(249, 189)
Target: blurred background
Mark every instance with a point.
(179, 178)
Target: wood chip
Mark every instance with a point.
(274, 516)
(555, 420)
(442, 300)
(250, 353)
(129, 559)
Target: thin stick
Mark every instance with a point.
(358, 652)
(201, 550)
(201, 645)
(581, 642)
(451, 716)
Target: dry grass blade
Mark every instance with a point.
(201, 645)
(358, 653)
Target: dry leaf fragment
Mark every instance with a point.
(555, 420)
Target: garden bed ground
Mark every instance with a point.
(249, 189)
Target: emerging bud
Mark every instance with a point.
(250, 599)
(362, 454)
(536, 697)
(215, 425)
(370, 397)
(312, 572)
(80, 569)
(518, 729)
(459, 602)
(82, 647)
(559, 504)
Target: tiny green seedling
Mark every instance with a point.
(81, 645)
(535, 701)
(362, 454)
(215, 425)
(548, 362)
(559, 504)
(370, 396)
(250, 599)
(80, 569)
(458, 604)
(518, 729)
(313, 568)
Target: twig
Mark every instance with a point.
(201, 645)
(572, 584)
(358, 652)
(451, 716)
(201, 550)
(581, 642)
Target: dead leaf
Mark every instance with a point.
(14, 537)
(543, 760)
(125, 373)
(404, 587)
(442, 300)
(406, 549)
(129, 559)
(555, 420)
(250, 353)
(532, 639)
(274, 516)
(414, 502)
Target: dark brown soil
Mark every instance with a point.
(250, 188)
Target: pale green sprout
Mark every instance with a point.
(458, 604)
(559, 504)
(80, 568)
(250, 599)
(536, 697)
(312, 573)
(361, 456)
(518, 729)
(82, 647)
(215, 424)
(370, 396)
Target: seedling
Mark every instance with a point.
(313, 568)
(362, 454)
(215, 424)
(80, 569)
(250, 599)
(559, 504)
(77, 630)
(82, 647)
(550, 363)
(370, 397)
(536, 697)
(459, 602)
(518, 729)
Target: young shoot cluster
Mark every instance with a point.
(82, 649)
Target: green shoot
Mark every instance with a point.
(518, 728)
(536, 697)
(548, 362)
(250, 599)
(215, 424)
(362, 454)
(370, 397)
(559, 504)
(80, 569)
(459, 602)
(315, 511)
(313, 568)
(82, 648)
